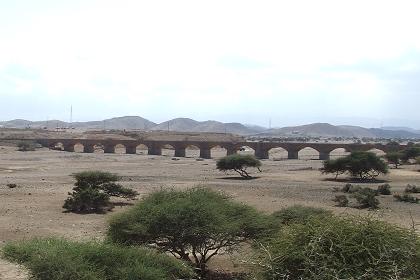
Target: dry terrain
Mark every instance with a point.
(34, 208)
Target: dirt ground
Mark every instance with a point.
(34, 208)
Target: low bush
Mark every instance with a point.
(340, 248)
(25, 146)
(384, 189)
(57, 259)
(366, 198)
(341, 200)
(349, 188)
(406, 197)
(93, 190)
(412, 189)
(11, 186)
(299, 214)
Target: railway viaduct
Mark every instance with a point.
(261, 148)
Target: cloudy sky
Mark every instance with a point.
(343, 62)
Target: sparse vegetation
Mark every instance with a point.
(193, 225)
(93, 190)
(412, 189)
(384, 189)
(362, 165)
(406, 197)
(299, 214)
(366, 198)
(25, 146)
(11, 186)
(340, 248)
(238, 163)
(57, 259)
(394, 158)
(341, 200)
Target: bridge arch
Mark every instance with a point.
(168, 150)
(339, 152)
(192, 151)
(120, 149)
(377, 151)
(309, 153)
(142, 149)
(58, 146)
(277, 153)
(78, 147)
(245, 150)
(218, 151)
(99, 148)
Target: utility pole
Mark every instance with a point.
(71, 116)
(269, 123)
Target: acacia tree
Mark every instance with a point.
(93, 190)
(238, 163)
(364, 165)
(193, 225)
(394, 158)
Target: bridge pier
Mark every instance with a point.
(261, 153)
(109, 149)
(230, 151)
(69, 148)
(205, 153)
(293, 154)
(156, 151)
(88, 149)
(324, 155)
(132, 150)
(180, 152)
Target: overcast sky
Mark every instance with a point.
(343, 62)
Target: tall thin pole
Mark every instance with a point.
(71, 116)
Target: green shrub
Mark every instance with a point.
(366, 198)
(340, 248)
(364, 165)
(341, 200)
(238, 163)
(411, 153)
(406, 197)
(93, 190)
(56, 259)
(412, 189)
(25, 146)
(394, 158)
(299, 214)
(347, 187)
(384, 189)
(194, 225)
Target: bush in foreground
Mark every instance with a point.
(340, 248)
(384, 189)
(193, 225)
(299, 214)
(238, 163)
(366, 198)
(57, 259)
(93, 190)
(406, 197)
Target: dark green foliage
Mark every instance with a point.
(194, 225)
(25, 146)
(93, 190)
(366, 198)
(56, 259)
(238, 163)
(299, 214)
(412, 189)
(364, 165)
(410, 153)
(340, 248)
(341, 200)
(384, 189)
(347, 187)
(394, 158)
(406, 197)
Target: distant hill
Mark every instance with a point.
(189, 125)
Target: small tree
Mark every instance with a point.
(238, 163)
(193, 225)
(25, 146)
(394, 158)
(93, 190)
(365, 165)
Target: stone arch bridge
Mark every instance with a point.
(261, 149)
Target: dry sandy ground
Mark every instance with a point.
(34, 208)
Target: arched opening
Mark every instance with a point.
(377, 152)
(192, 151)
(308, 153)
(218, 152)
(120, 149)
(168, 150)
(57, 146)
(277, 154)
(246, 150)
(78, 148)
(142, 149)
(339, 152)
(98, 148)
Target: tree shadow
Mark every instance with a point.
(357, 180)
(238, 178)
